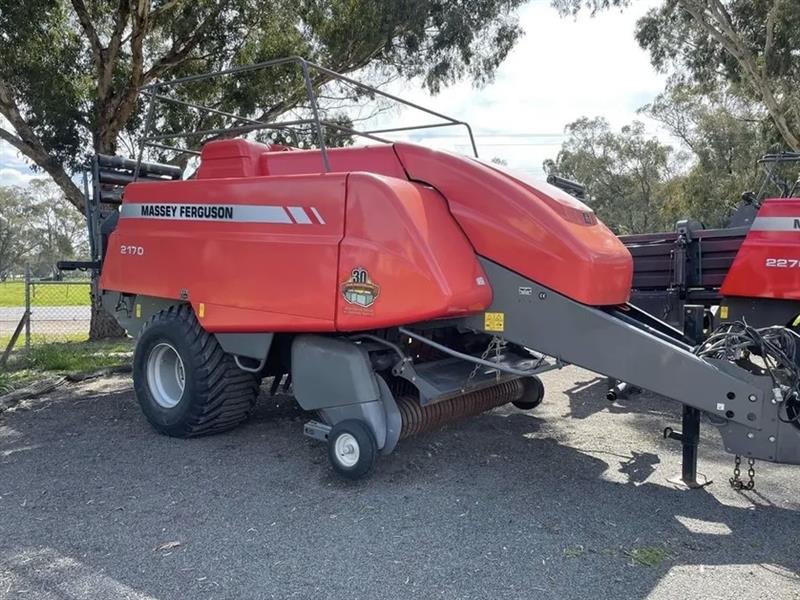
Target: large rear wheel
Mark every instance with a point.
(185, 383)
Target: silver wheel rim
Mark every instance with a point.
(166, 376)
(347, 450)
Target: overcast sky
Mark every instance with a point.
(561, 70)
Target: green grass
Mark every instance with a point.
(649, 556)
(10, 380)
(12, 293)
(72, 357)
(41, 338)
(574, 551)
(63, 358)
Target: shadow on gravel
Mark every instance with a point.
(588, 397)
(494, 507)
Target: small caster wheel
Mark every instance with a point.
(533, 395)
(351, 449)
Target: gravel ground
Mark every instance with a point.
(570, 501)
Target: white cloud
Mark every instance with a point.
(561, 70)
(10, 176)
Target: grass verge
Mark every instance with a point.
(66, 357)
(12, 294)
(42, 338)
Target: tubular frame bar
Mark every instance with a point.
(542, 368)
(306, 67)
(174, 149)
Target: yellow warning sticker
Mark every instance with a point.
(723, 312)
(796, 321)
(138, 311)
(494, 321)
(201, 310)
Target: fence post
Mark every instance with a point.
(28, 307)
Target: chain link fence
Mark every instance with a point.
(57, 311)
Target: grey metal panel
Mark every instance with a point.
(123, 308)
(443, 379)
(773, 441)
(335, 377)
(762, 312)
(328, 372)
(251, 345)
(738, 402)
(394, 421)
(582, 335)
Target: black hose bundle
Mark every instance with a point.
(777, 348)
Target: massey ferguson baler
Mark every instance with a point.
(396, 288)
(693, 277)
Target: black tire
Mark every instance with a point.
(216, 396)
(533, 395)
(362, 436)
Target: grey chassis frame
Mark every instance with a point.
(738, 402)
(306, 67)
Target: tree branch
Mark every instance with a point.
(166, 7)
(114, 44)
(85, 20)
(769, 41)
(724, 33)
(177, 54)
(27, 142)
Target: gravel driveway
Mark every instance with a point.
(570, 501)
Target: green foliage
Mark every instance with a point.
(45, 71)
(732, 96)
(624, 173)
(750, 47)
(37, 228)
(72, 69)
(637, 184)
(743, 47)
(726, 137)
(573, 7)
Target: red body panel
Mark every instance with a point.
(540, 232)
(403, 234)
(251, 276)
(768, 262)
(266, 242)
(375, 159)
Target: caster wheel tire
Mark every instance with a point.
(533, 395)
(185, 383)
(351, 449)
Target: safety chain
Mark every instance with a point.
(496, 343)
(736, 482)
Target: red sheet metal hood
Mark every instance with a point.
(533, 228)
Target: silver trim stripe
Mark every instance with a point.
(230, 213)
(299, 215)
(319, 216)
(776, 224)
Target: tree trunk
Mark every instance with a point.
(102, 326)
